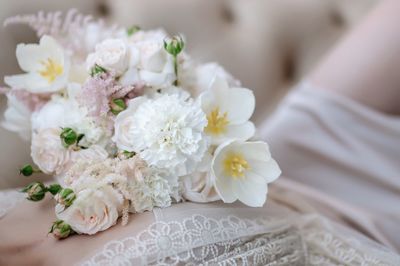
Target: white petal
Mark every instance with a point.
(32, 82)
(251, 193)
(269, 170)
(31, 56)
(224, 188)
(242, 131)
(255, 151)
(207, 101)
(156, 79)
(130, 77)
(219, 85)
(239, 103)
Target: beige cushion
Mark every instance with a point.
(267, 44)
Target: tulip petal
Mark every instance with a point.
(243, 131)
(250, 193)
(256, 151)
(269, 170)
(239, 103)
(223, 186)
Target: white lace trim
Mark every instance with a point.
(199, 240)
(8, 200)
(334, 245)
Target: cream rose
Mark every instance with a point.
(47, 151)
(93, 210)
(149, 62)
(112, 54)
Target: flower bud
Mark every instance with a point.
(54, 189)
(117, 106)
(60, 229)
(132, 30)
(68, 137)
(66, 197)
(27, 170)
(36, 191)
(174, 46)
(96, 70)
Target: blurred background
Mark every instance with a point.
(267, 44)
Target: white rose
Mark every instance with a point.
(47, 151)
(93, 210)
(112, 54)
(58, 112)
(149, 62)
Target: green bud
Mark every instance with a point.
(132, 30)
(96, 70)
(129, 154)
(66, 197)
(27, 170)
(174, 45)
(68, 137)
(36, 191)
(54, 189)
(117, 106)
(60, 229)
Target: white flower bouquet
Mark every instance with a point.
(127, 122)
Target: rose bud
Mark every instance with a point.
(60, 229)
(36, 191)
(54, 189)
(66, 197)
(174, 46)
(68, 137)
(132, 30)
(117, 106)
(28, 170)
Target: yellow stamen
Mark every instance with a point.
(235, 165)
(216, 122)
(51, 70)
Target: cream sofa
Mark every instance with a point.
(267, 44)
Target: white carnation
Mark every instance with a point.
(167, 132)
(153, 191)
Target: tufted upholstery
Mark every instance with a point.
(267, 44)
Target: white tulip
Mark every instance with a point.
(228, 111)
(46, 64)
(242, 170)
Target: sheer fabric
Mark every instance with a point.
(343, 149)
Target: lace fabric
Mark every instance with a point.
(202, 240)
(220, 234)
(278, 239)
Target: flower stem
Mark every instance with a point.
(176, 83)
